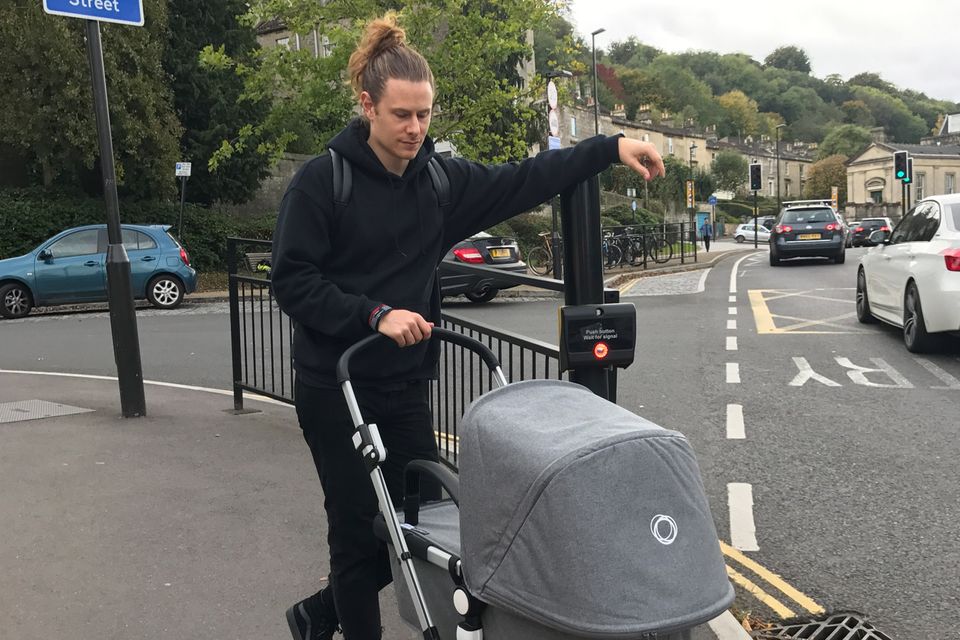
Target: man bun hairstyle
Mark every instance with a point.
(383, 53)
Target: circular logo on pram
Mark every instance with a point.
(663, 528)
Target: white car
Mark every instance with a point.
(911, 279)
(744, 233)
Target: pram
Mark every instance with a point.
(571, 518)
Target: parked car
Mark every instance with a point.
(70, 267)
(918, 261)
(865, 227)
(745, 233)
(497, 252)
(808, 231)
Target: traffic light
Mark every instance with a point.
(900, 165)
(755, 176)
(907, 179)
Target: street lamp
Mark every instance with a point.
(554, 236)
(596, 98)
(693, 196)
(778, 127)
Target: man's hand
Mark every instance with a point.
(406, 328)
(642, 157)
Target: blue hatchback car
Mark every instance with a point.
(70, 267)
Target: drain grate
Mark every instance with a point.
(836, 626)
(35, 410)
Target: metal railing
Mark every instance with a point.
(262, 344)
(644, 245)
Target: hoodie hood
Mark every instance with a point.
(352, 144)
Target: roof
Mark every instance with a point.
(269, 26)
(923, 149)
(951, 124)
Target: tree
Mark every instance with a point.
(789, 58)
(474, 48)
(857, 112)
(845, 140)
(740, 115)
(892, 114)
(729, 170)
(208, 99)
(555, 46)
(632, 53)
(826, 174)
(46, 108)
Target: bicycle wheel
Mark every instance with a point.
(660, 250)
(636, 252)
(612, 256)
(540, 261)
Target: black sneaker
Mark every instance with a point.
(309, 620)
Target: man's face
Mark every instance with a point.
(399, 122)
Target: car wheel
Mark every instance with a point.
(863, 302)
(15, 300)
(841, 257)
(165, 292)
(915, 335)
(739, 239)
(482, 295)
(774, 260)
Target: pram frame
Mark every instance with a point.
(367, 442)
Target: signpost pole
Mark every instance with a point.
(755, 230)
(123, 319)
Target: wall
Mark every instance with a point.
(272, 188)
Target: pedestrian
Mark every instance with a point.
(706, 232)
(342, 271)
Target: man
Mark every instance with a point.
(343, 270)
(706, 232)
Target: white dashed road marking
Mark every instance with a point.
(731, 343)
(732, 325)
(743, 530)
(735, 426)
(733, 373)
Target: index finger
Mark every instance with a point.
(658, 168)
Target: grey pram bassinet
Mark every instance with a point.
(576, 519)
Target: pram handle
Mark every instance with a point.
(343, 365)
(411, 489)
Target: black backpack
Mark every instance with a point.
(343, 180)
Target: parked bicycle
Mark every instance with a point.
(540, 259)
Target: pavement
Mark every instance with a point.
(190, 522)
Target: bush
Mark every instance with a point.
(30, 216)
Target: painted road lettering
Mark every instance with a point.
(881, 375)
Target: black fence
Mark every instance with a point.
(648, 245)
(261, 336)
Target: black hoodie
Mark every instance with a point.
(332, 266)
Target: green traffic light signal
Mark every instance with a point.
(900, 175)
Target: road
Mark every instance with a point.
(828, 452)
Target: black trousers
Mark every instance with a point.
(359, 563)
(706, 242)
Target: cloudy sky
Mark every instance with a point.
(908, 43)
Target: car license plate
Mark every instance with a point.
(809, 236)
(499, 253)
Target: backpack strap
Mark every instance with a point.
(342, 179)
(440, 180)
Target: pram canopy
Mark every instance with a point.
(583, 516)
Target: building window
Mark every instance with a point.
(573, 127)
(283, 42)
(646, 137)
(325, 47)
(921, 185)
(876, 197)
(949, 183)
(670, 146)
(772, 189)
(786, 187)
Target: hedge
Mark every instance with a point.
(28, 217)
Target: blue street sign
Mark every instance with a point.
(128, 12)
(712, 200)
(553, 142)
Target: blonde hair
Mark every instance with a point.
(383, 53)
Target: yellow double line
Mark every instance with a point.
(770, 578)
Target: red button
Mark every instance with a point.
(600, 350)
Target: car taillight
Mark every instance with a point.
(468, 255)
(952, 259)
(858, 230)
(832, 227)
(884, 228)
(184, 257)
(783, 228)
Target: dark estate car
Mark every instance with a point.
(808, 231)
(484, 250)
(863, 228)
